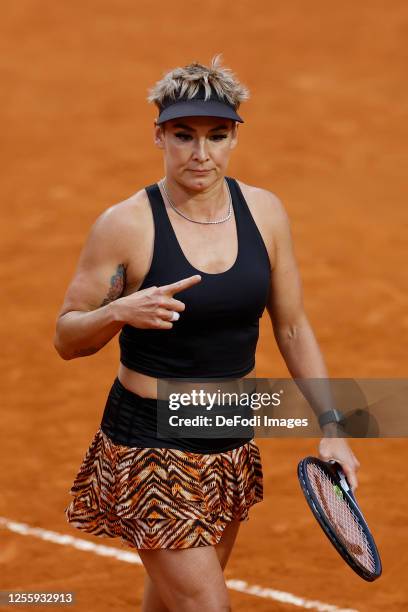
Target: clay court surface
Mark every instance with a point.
(326, 130)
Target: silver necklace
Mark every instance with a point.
(162, 182)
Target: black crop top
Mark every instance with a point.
(217, 333)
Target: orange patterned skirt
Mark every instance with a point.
(163, 497)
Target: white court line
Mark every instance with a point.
(131, 557)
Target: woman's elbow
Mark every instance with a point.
(286, 334)
(290, 330)
(61, 349)
(60, 342)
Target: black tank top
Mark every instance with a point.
(217, 333)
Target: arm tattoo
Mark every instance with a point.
(117, 284)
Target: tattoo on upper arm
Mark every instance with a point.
(117, 285)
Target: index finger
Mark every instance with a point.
(180, 285)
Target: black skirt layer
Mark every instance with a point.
(131, 420)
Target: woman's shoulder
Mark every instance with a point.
(126, 222)
(128, 210)
(268, 213)
(262, 200)
(128, 215)
(126, 228)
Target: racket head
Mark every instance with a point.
(336, 510)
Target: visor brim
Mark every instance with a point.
(198, 108)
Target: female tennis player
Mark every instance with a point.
(184, 269)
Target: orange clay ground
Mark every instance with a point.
(326, 130)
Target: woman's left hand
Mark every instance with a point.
(339, 450)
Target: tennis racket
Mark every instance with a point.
(334, 506)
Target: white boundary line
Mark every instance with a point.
(131, 557)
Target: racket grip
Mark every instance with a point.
(344, 482)
(343, 478)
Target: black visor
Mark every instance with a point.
(197, 107)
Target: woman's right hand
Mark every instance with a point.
(153, 308)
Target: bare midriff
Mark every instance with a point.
(146, 386)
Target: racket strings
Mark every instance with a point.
(341, 516)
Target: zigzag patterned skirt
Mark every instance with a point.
(163, 497)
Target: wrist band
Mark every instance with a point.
(331, 416)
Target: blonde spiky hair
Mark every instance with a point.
(185, 82)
